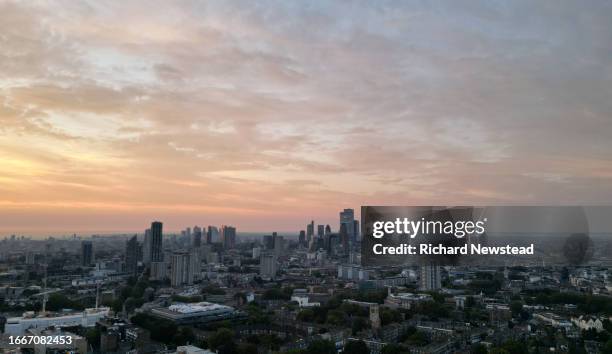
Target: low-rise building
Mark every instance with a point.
(29, 320)
(201, 312)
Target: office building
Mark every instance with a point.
(279, 245)
(310, 231)
(320, 231)
(131, 255)
(212, 235)
(197, 236)
(268, 242)
(347, 218)
(86, 253)
(157, 252)
(228, 237)
(146, 247)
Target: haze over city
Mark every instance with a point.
(267, 115)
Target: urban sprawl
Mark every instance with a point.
(216, 290)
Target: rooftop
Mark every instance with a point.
(196, 307)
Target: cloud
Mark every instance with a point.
(290, 111)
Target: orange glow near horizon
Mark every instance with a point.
(223, 113)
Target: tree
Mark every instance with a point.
(183, 336)
(478, 349)
(607, 348)
(162, 330)
(514, 347)
(247, 348)
(321, 346)
(356, 347)
(388, 316)
(516, 307)
(59, 301)
(306, 315)
(93, 336)
(359, 324)
(394, 349)
(335, 317)
(220, 337)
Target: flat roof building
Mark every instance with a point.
(87, 318)
(201, 312)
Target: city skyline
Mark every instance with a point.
(267, 115)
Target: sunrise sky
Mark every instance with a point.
(265, 115)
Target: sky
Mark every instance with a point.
(267, 114)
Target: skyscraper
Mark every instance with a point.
(347, 217)
(86, 253)
(146, 247)
(302, 238)
(228, 237)
(320, 231)
(197, 236)
(212, 234)
(279, 245)
(310, 231)
(327, 229)
(344, 238)
(268, 242)
(209, 235)
(157, 252)
(131, 255)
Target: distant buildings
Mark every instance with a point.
(146, 247)
(279, 245)
(268, 242)
(310, 231)
(212, 234)
(131, 255)
(228, 237)
(256, 253)
(157, 252)
(349, 225)
(30, 258)
(320, 231)
(197, 236)
(86, 253)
